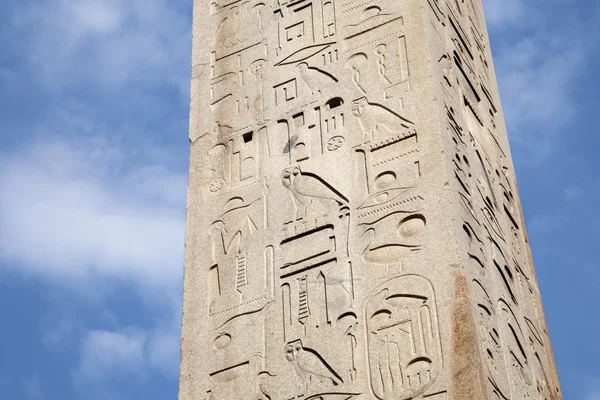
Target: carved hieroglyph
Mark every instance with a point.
(354, 229)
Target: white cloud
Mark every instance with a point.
(106, 354)
(545, 225)
(32, 387)
(134, 351)
(59, 335)
(499, 12)
(92, 16)
(107, 42)
(538, 63)
(79, 210)
(82, 208)
(574, 193)
(593, 393)
(536, 74)
(163, 350)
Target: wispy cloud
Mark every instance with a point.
(593, 389)
(106, 354)
(131, 351)
(79, 210)
(539, 62)
(164, 343)
(56, 335)
(110, 42)
(32, 387)
(574, 193)
(91, 192)
(500, 12)
(536, 89)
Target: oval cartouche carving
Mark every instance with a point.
(385, 180)
(412, 226)
(222, 341)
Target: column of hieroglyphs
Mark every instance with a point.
(353, 225)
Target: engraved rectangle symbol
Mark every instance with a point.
(321, 246)
(286, 91)
(294, 31)
(403, 55)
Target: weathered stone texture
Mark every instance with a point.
(354, 229)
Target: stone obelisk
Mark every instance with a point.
(354, 229)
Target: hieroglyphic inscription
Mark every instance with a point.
(405, 354)
(327, 210)
(495, 242)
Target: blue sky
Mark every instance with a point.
(93, 171)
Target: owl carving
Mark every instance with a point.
(309, 367)
(374, 118)
(313, 197)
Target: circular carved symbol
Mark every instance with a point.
(217, 185)
(335, 143)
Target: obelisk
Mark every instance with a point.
(354, 229)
